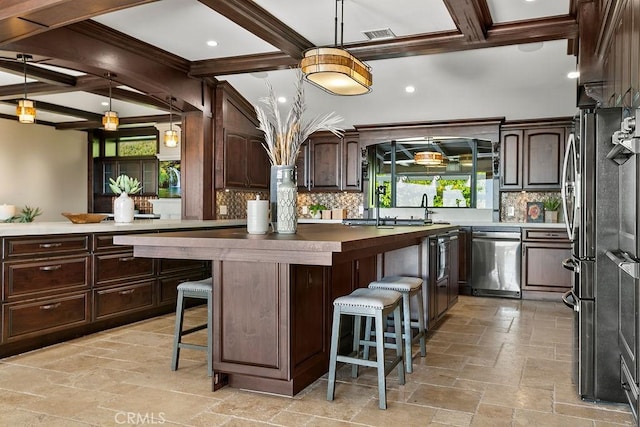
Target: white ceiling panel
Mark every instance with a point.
(183, 27)
(93, 103)
(518, 10)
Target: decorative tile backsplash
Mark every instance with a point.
(518, 200)
(236, 202)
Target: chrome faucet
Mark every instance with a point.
(380, 190)
(425, 204)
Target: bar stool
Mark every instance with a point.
(408, 287)
(370, 303)
(201, 289)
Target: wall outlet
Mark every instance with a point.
(511, 211)
(360, 209)
(223, 209)
(305, 210)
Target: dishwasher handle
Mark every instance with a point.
(496, 235)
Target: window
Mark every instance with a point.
(451, 172)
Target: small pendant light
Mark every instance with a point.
(25, 110)
(170, 135)
(110, 119)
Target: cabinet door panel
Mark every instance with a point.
(352, 165)
(121, 266)
(542, 267)
(123, 299)
(235, 158)
(258, 166)
(543, 150)
(511, 160)
(325, 167)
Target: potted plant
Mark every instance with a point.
(123, 205)
(551, 205)
(316, 210)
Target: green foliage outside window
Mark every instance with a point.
(137, 148)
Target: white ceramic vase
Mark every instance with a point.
(123, 208)
(287, 200)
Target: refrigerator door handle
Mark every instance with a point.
(625, 263)
(571, 304)
(570, 152)
(571, 265)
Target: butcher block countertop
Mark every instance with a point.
(312, 244)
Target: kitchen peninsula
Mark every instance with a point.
(273, 293)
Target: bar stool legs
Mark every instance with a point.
(202, 289)
(408, 287)
(369, 303)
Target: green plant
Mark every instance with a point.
(314, 209)
(27, 214)
(125, 184)
(551, 203)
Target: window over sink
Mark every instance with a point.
(450, 171)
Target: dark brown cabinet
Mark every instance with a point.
(543, 251)
(531, 155)
(246, 162)
(464, 259)
(329, 163)
(59, 286)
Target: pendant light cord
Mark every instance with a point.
(110, 92)
(24, 62)
(335, 25)
(170, 112)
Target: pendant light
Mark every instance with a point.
(335, 70)
(171, 135)
(428, 158)
(26, 109)
(110, 119)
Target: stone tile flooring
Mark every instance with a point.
(492, 362)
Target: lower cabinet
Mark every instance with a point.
(42, 316)
(58, 287)
(543, 251)
(443, 286)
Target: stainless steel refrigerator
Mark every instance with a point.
(590, 192)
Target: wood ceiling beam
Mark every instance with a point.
(20, 19)
(260, 22)
(472, 17)
(98, 49)
(94, 124)
(60, 109)
(539, 30)
(83, 83)
(38, 73)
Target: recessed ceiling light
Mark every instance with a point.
(573, 74)
(212, 43)
(282, 99)
(409, 89)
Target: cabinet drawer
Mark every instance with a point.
(168, 266)
(104, 242)
(29, 278)
(123, 299)
(42, 246)
(168, 285)
(545, 234)
(109, 268)
(25, 319)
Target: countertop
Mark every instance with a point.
(312, 244)
(66, 227)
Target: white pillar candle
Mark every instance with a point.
(7, 211)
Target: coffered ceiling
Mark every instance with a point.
(465, 58)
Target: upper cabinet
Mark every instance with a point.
(241, 160)
(330, 163)
(531, 154)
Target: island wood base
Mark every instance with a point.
(273, 294)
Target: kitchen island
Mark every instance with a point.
(273, 293)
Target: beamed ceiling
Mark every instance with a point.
(75, 43)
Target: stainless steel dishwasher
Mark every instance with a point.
(496, 262)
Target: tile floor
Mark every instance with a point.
(492, 362)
